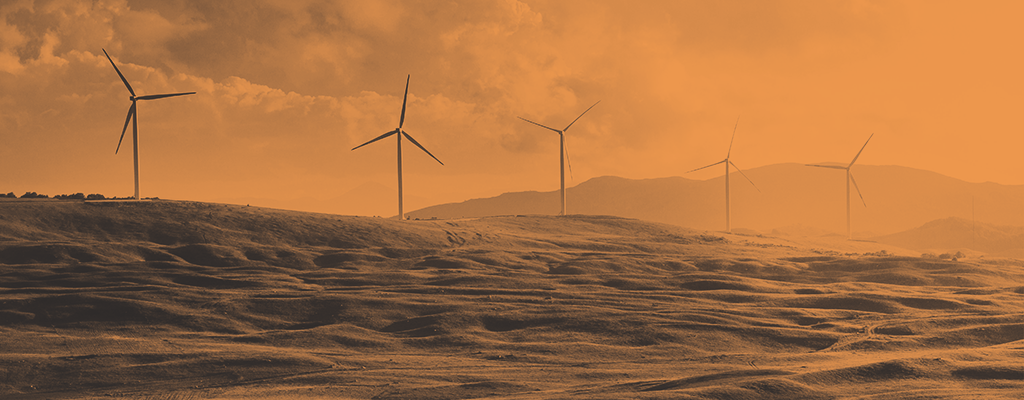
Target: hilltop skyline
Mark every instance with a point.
(284, 90)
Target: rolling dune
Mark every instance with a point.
(183, 300)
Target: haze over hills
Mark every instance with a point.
(898, 198)
(952, 233)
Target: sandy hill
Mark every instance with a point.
(954, 234)
(184, 300)
(898, 198)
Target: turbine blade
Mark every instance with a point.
(421, 147)
(567, 161)
(404, 99)
(744, 175)
(858, 190)
(578, 118)
(119, 73)
(733, 138)
(160, 96)
(861, 150)
(825, 166)
(377, 138)
(706, 166)
(542, 126)
(131, 114)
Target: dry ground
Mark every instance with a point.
(182, 300)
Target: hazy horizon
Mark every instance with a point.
(377, 200)
(285, 90)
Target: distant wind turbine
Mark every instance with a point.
(563, 154)
(849, 178)
(134, 119)
(727, 162)
(401, 121)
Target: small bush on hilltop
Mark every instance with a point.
(76, 196)
(710, 238)
(944, 256)
(948, 256)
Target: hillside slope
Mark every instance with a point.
(173, 299)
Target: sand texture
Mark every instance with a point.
(183, 300)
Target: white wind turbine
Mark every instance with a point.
(849, 178)
(134, 119)
(563, 154)
(727, 162)
(399, 133)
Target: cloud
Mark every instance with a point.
(287, 88)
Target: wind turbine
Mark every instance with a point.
(400, 132)
(849, 178)
(563, 154)
(133, 117)
(727, 162)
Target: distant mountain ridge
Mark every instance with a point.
(898, 198)
(954, 233)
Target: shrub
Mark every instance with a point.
(948, 256)
(9, 195)
(34, 195)
(710, 238)
(95, 196)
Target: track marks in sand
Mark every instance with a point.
(716, 379)
(748, 383)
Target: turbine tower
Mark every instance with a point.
(400, 133)
(563, 154)
(134, 119)
(727, 162)
(849, 178)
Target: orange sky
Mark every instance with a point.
(286, 88)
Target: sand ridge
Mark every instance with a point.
(169, 299)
